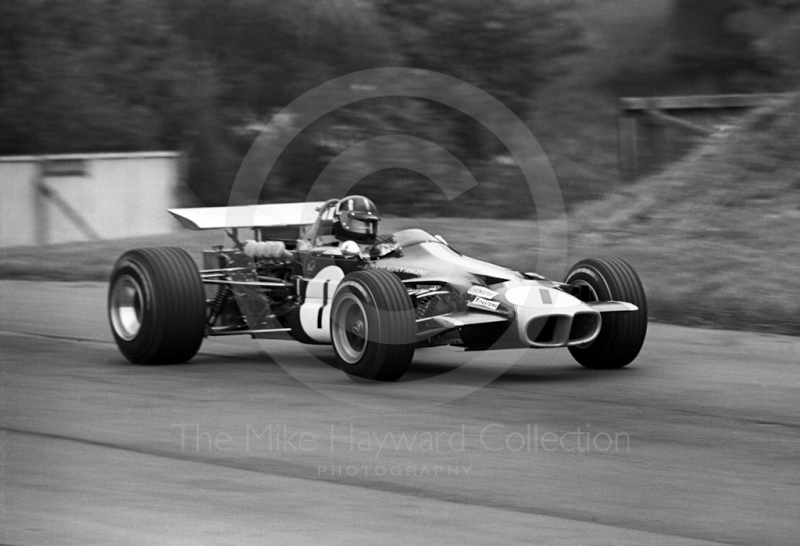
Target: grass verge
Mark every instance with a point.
(714, 237)
(708, 283)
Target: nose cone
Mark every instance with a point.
(539, 297)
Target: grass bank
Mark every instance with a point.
(714, 237)
(700, 281)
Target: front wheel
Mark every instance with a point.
(157, 306)
(622, 334)
(373, 326)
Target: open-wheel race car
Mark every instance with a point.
(320, 273)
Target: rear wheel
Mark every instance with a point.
(373, 326)
(622, 334)
(156, 306)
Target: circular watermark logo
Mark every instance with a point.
(549, 233)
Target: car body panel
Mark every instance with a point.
(457, 299)
(251, 216)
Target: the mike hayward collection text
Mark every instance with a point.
(348, 438)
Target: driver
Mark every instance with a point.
(356, 219)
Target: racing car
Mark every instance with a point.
(320, 273)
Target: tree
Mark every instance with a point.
(737, 45)
(508, 48)
(773, 28)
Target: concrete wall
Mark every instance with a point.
(110, 195)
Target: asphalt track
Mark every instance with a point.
(697, 442)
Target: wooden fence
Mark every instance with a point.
(653, 131)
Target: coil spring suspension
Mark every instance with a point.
(218, 303)
(425, 307)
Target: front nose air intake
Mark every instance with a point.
(562, 330)
(549, 331)
(584, 327)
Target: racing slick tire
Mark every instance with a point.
(373, 326)
(621, 334)
(157, 306)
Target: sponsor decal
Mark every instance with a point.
(312, 265)
(482, 303)
(482, 291)
(396, 269)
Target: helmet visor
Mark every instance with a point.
(368, 227)
(363, 222)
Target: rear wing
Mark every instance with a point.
(251, 216)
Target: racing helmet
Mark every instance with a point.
(356, 218)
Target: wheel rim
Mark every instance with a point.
(127, 307)
(350, 328)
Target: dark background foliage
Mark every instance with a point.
(205, 77)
